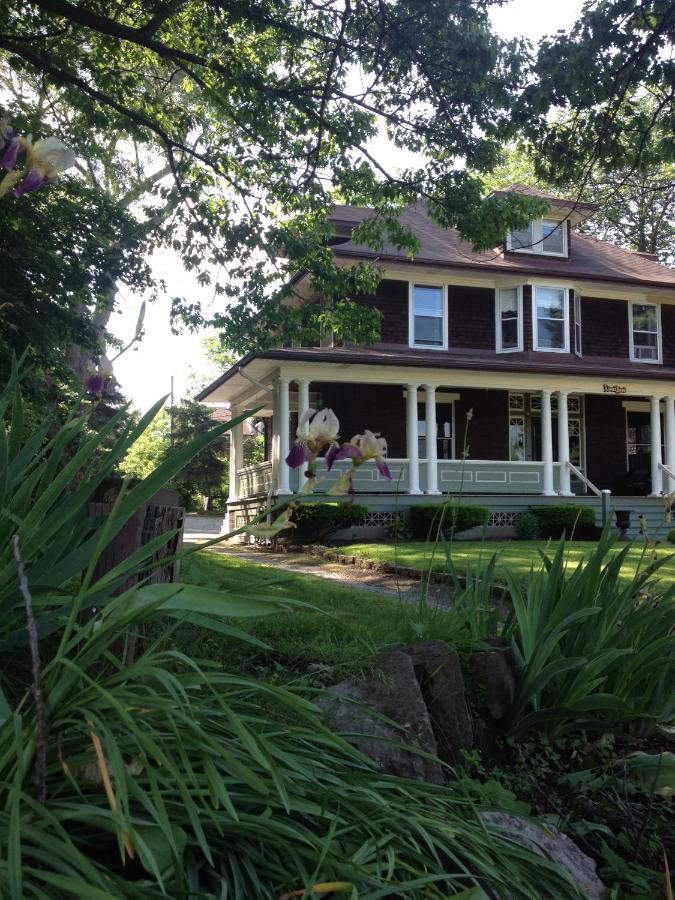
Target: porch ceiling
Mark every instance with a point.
(251, 380)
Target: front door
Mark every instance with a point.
(639, 451)
(445, 431)
(525, 429)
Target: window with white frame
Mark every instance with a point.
(427, 316)
(577, 324)
(550, 318)
(547, 237)
(645, 332)
(509, 319)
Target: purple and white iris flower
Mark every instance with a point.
(46, 159)
(360, 449)
(101, 380)
(315, 431)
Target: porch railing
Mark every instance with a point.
(255, 480)
(583, 478)
(671, 475)
(603, 494)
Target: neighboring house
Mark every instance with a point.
(563, 347)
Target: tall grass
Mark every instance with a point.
(168, 777)
(594, 651)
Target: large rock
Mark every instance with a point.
(548, 841)
(439, 674)
(353, 708)
(493, 682)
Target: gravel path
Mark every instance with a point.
(388, 585)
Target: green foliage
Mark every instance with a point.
(203, 476)
(400, 529)
(589, 790)
(527, 527)
(166, 776)
(150, 449)
(671, 536)
(47, 485)
(64, 248)
(431, 519)
(316, 521)
(585, 72)
(564, 519)
(275, 115)
(593, 652)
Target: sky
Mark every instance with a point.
(145, 373)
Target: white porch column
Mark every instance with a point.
(655, 423)
(412, 440)
(236, 455)
(547, 444)
(564, 445)
(670, 440)
(303, 406)
(432, 445)
(282, 428)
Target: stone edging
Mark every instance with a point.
(498, 591)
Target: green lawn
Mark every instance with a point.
(517, 556)
(347, 629)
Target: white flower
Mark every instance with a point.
(51, 157)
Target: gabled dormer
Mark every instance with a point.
(547, 235)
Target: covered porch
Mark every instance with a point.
(452, 432)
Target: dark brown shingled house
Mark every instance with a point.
(563, 346)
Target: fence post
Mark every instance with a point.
(605, 496)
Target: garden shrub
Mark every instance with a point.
(671, 536)
(452, 518)
(315, 521)
(565, 520)
(400, 530)
(527, 527)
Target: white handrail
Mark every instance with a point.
(580, 475)
(669, 472)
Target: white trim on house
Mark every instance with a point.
(498, 320)
(659, 333)
(566, 319)
(537, 246)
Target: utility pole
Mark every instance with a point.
(171, 414)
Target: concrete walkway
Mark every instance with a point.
(388, 585)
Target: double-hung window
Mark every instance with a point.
(427, 316)
(645, 332)
(577, 324)
(546, 237)
(523, 239)
(550, 318)
(509, 319)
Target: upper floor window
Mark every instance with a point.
(577, 324)
(645, 332)
(543, 236)
(509, 319)
(428, 313)
(550, 318)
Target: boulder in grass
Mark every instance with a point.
(548, 841)
(359, 708)
(439, 673)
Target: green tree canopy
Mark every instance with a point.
(265, 113)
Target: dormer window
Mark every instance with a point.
(543, 237)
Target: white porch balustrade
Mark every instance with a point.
(412, 475)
